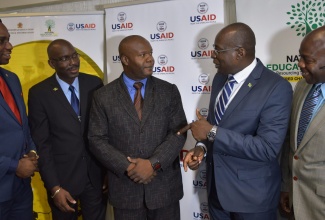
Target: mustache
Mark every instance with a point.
(72, 67)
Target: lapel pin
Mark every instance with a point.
(249, 85)
(55, 89)
(6, 75)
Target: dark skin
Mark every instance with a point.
(311, 64)
(28, 164)
(136, 56)
(240, 41)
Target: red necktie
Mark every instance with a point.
(138, 100)
(5, 91)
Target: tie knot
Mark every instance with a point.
(71, 88)
(138, 85)
(231, 79)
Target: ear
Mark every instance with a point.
(50, 62)
(241, 53)
(124, 60)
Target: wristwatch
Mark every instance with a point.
(156, 165)
(212, 133)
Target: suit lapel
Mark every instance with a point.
(16, 95)
(299, 98)
(316, 123)
(58, 94)
(83, 93)
(248, 85)
(148, 99)
(125, 101)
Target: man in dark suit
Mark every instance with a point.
(133, 133)
(58, 111)
(18, 158)
(243, 134)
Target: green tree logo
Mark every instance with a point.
(307, 16)
(49, 24)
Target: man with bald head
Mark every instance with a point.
(303, 164)
(132, 132)
(58, 112)
(243, 135)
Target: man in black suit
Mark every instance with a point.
(59, 123)
(139, 146)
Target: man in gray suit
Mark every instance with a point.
(303, 164)
(136, 140)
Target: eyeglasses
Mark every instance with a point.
(63, 59)
(219, 51)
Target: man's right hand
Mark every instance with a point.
(284, 203)
(62, 198)
(26, 167)
(193, 158)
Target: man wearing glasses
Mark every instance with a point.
(243, 134)
(58, 112)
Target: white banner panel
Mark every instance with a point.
(182, 34)
(280, 27)
(30, 35)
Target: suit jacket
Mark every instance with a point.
(116, 132)
(306, 163)
(60, 137)
(15, 139)
(249, 138)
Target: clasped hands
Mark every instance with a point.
(199, 128)
(140, 170)
(27, 165)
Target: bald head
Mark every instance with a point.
(128, 42)
(316, 38)
(56, 45)
(240, 34)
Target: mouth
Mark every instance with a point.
(6, 55)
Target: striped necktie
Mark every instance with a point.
(307, 112)
(223, 99)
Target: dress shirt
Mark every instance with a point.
(129, 85)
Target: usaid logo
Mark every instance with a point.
(204, 207)
(204, 112)
(71, 27)
(121, 17)
(161, 26)
(204, 78)
(203, 43)
(203, 174)
(202, 8)
(162, 60)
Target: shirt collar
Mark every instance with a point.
(243, 74)
(65, 86)
(129, 82)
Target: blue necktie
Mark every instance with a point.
(307, 112)
(223, 99)
(74, 100)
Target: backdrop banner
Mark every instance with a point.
(30, 35)
(181, 34)
(279, 27)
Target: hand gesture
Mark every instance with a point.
(193, 158)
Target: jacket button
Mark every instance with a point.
(295, 178)
(295, 157)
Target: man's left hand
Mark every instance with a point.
(142, 171)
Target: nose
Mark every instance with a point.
(301, 63)
(8, 45)
(213, 54)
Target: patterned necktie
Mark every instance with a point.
(138, 100)
(307, 112)
(7, 95)
(223, 99)
(74, 100)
